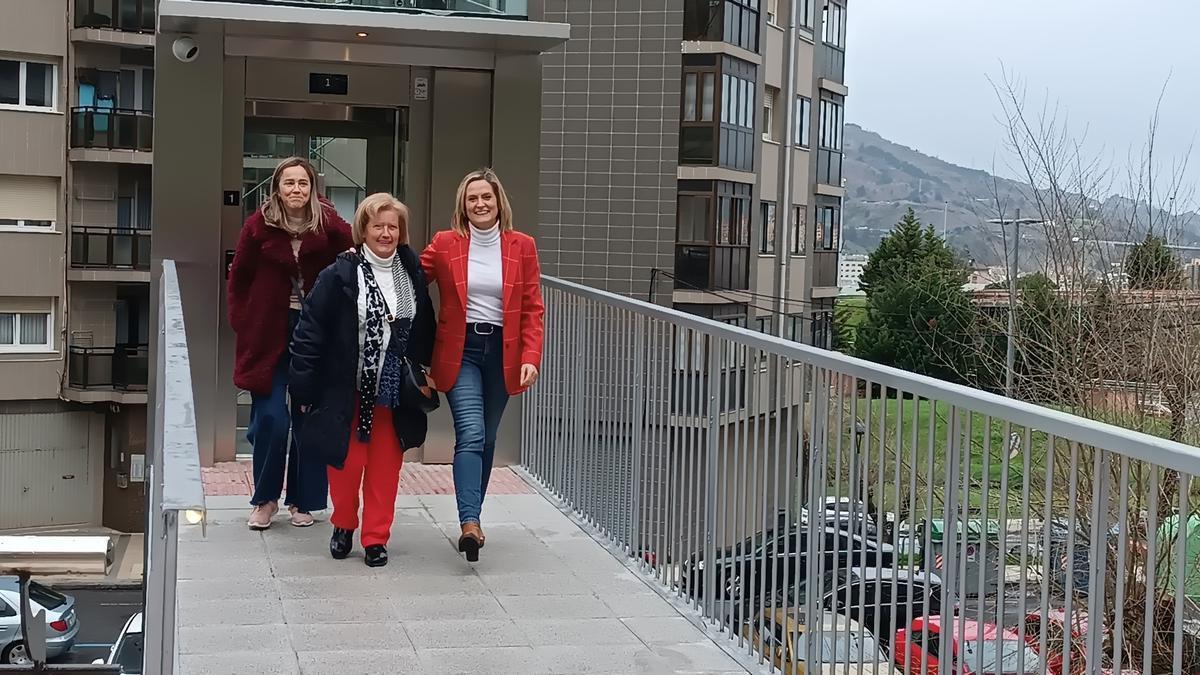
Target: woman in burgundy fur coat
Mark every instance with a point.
(283, 247)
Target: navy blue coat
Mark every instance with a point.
(324, 368)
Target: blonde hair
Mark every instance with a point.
(370, 208)
(460, 223)
(273, 209)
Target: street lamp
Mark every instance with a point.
(860, 430)
(1013, 270)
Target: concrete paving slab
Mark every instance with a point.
(545, 598)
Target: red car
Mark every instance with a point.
(917, 649)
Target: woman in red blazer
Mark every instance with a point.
(282, 248)
(489, 337)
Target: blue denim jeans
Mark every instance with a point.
(276, 456)
(477, 401)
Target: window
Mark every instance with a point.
(717, 115)
(25, 331)
(795, 328)
(738, 93)
(806, 13)
(732, 21)
(765, 325)
(829, 227)
(803, 115)
(822, 325)
(27, 84)
(799, 216)
(833, 26)
(773, 12)
(130, 88)
(766, 238)
(28, 202)
(713, 235)
(831, 125)
(697, 135)
(770, 96)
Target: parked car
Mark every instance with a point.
(845, 646)
(61, 624)
(127, 651)
(979, 649)
(884, 599)
(776, 558)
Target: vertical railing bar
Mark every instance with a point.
(981, 587)
(802, 478)
(720, 428)
(1126, 535)
(687, 424)
(893, 531)
(1022, 581)
(1181, 567)
(637, 452)
(715, 369)
(950, 527)
(1098, 558)
(1151, 570)
(1047, 527)
(674, 530)
(927, 528)
(964, 489)
(1072, 502)
(786, 424)
(734, 536)
(772, 560)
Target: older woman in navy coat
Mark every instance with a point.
(367, 321)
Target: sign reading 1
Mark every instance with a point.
(328, 83)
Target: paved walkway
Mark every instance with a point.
(544, 598)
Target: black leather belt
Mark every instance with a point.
(483, 328)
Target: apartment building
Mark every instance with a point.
(76, 101)
(692, 153)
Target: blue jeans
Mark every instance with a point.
(276, 455)
(477, 401)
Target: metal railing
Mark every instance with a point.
(123, 367)
(126, 15)
(109, 248)
(820, 509)
(174, 475)
(111, 128)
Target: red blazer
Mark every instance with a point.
(260, 287)
(445, 262)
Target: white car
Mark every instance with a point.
(128, 649)
(61, 624)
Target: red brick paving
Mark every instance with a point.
(234, 479)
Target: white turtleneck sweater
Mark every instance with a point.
(485, 277)
(382, 269)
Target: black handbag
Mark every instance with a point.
(415, 391)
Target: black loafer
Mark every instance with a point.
(340, 543)
(376, 555)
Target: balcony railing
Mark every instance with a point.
(125, 15)
(508, 9)
(894, 516)
(120, 368)
(111, 128)
(110, 248)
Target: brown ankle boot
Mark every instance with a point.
(470, 541)
(482, 538)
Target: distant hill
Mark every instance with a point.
(883, 179)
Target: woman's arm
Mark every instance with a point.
(319, 310)
(429, 260)
(241, 274)
(533, 310)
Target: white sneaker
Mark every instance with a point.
(300, 518)
(261, 515)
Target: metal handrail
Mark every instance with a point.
(1162, 451)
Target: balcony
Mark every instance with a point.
(109, 254)
(833, 64)
(117, 374)
(829, 167)
(119, 22)
(705, 268)
(836, 494)
(111, 134)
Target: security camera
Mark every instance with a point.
(185, 49)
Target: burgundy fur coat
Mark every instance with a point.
(260, 286)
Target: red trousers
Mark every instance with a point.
(375, 468)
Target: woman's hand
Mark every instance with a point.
(529, 374)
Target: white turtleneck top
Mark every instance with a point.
(485, 277)
(382, 269)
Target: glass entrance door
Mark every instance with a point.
(356, 151)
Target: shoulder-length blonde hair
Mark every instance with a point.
(460, 223)
(370, 208)
(273, 210)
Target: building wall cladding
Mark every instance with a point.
(610, 141)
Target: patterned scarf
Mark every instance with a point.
(375, 386)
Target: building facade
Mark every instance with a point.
(850, 269)
(691, 153)
(76, 107)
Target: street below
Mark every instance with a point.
(102, 614)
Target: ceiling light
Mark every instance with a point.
(361, 33)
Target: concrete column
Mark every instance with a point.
(188, 118)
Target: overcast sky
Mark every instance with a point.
(917, 71)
